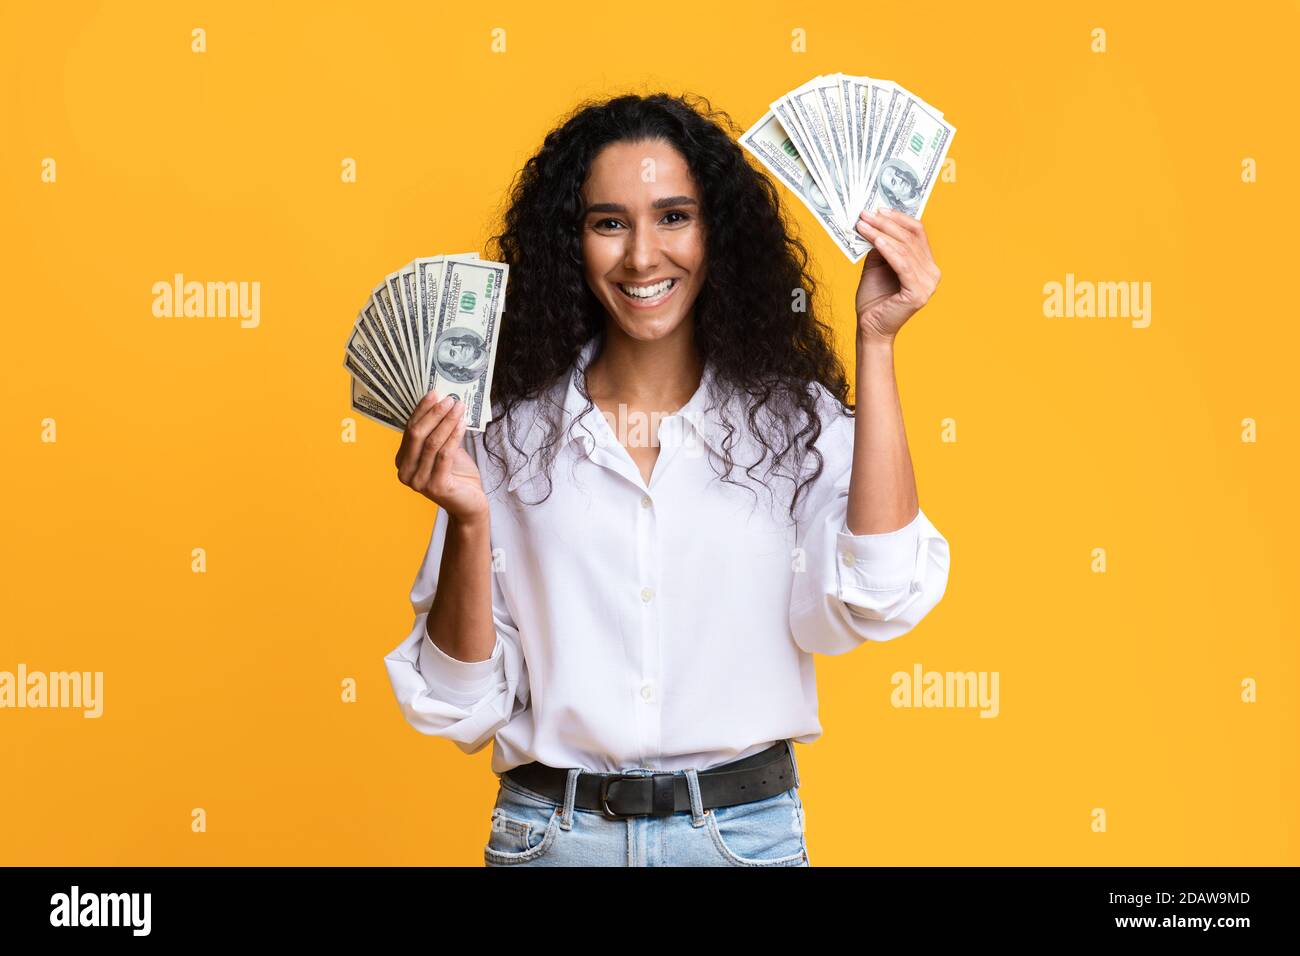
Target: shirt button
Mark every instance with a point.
(648, 691)
(645, 501)
(647, 594)
(847, 558)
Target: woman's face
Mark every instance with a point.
(641, 227)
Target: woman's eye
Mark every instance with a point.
(612, 223)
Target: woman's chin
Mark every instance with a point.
(648, 328)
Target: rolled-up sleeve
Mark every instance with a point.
(464, 701)
(867, 587)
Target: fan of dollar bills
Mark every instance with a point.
(845, 143)
(431, 325)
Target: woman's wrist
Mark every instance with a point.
(469, 525)
(871, 339)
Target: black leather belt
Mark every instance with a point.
(619, 795)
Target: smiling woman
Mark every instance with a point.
(630, 616)
(625, 195)
(648, 253)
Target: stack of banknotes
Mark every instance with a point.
(431, 325)
(844, 144)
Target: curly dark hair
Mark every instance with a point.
(745, 320)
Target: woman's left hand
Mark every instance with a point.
(898, 276)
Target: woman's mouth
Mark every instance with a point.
(649, 295)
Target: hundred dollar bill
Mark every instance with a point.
(462, 349)
(364, 363)
(844, 144)
(428, 282)
(820, 109)
(393, 322)
(369, 405)
(867, 101)
(405, 324)
(384, 339)
(772, 146)
(912, 154)
(852, 130)
(428, 285)
(410, 309)
(813, 157)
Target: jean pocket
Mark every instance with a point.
(524, 827)
(767, 832)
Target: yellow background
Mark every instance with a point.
(222, 690)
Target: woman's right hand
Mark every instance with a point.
(432, 461)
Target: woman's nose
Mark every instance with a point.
(642, 250)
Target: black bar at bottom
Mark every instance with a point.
(436, 905)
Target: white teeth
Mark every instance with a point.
(648, 292)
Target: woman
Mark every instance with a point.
(672, 509)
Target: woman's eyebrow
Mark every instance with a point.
(657, 204)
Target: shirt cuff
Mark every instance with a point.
(879, 562)
(457, 681)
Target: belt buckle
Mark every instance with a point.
(604, 794)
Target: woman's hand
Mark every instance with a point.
(432, 461)
(898, 276)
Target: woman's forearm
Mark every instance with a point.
(882, 490)
(460, 621)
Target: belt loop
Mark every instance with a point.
(697, 804)
(789, 745)
(570, 797)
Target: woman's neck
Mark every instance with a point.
(661, 375)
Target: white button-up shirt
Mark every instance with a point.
(664, 625)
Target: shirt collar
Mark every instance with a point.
(593, 429)
(695, 411)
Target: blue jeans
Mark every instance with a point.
(529, 829)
